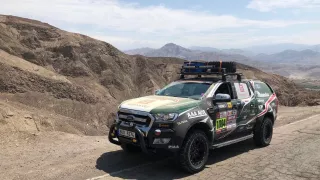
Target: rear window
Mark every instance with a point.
(262, 90)
(242, 90)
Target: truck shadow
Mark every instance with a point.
(160, 166)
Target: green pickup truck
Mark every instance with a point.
(209, 106)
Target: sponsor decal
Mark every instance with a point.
(241, 87)
(222, 114)
(229, 105)
(263, 94)
(222, 106)
(231, 125)
(196, 114)
(232, 117)
(182, 122)
(173, 146)
(232, 112)
(221, 123)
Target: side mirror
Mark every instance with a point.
(221, 98)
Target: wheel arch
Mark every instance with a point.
(269, 115)
(203, 127)
(260, 119)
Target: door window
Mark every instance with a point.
(242, 90)
(262, 90)
(224, 89)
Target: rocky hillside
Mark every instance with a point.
(46, 72)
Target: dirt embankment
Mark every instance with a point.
(81, 80)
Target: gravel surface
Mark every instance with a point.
(293, 154)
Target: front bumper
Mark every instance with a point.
(144, 138)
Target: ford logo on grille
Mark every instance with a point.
(130, 118)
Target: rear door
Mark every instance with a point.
(247, 109)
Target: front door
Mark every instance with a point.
(224, 115)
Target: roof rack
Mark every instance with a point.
(197, 68)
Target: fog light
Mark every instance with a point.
(157, 132)
(134, 140)
(161, 140)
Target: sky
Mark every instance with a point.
(130, 24)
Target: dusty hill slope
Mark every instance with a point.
(71, 74)
(79, 79)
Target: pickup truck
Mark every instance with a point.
(209, 106)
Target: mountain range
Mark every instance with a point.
(174, 50)
(290, 63)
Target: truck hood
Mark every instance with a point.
(160, 104)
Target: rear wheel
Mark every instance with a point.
(129, 148)
(263, 133)
(194, 153)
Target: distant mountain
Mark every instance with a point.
(276, 48)
(171, 50)
(238, 51)
(174, 50)
(224, 51)
(291, 56)
(141, 51)
(205, 49)
(316, 48)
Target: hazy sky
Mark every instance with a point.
(152, 23)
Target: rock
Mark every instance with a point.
(28, 116)
(9, 114)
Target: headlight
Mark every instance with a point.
(165, 116)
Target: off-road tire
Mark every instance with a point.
(129, 148)
(263, 133)
(183, 157)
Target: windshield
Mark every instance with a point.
(194, 90)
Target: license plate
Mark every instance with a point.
(126, 133)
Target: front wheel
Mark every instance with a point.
(263, 133)
(194, 153)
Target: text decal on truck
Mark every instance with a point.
(196, 114)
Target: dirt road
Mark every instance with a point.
(293, 154)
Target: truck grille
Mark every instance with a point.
(136, 118)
